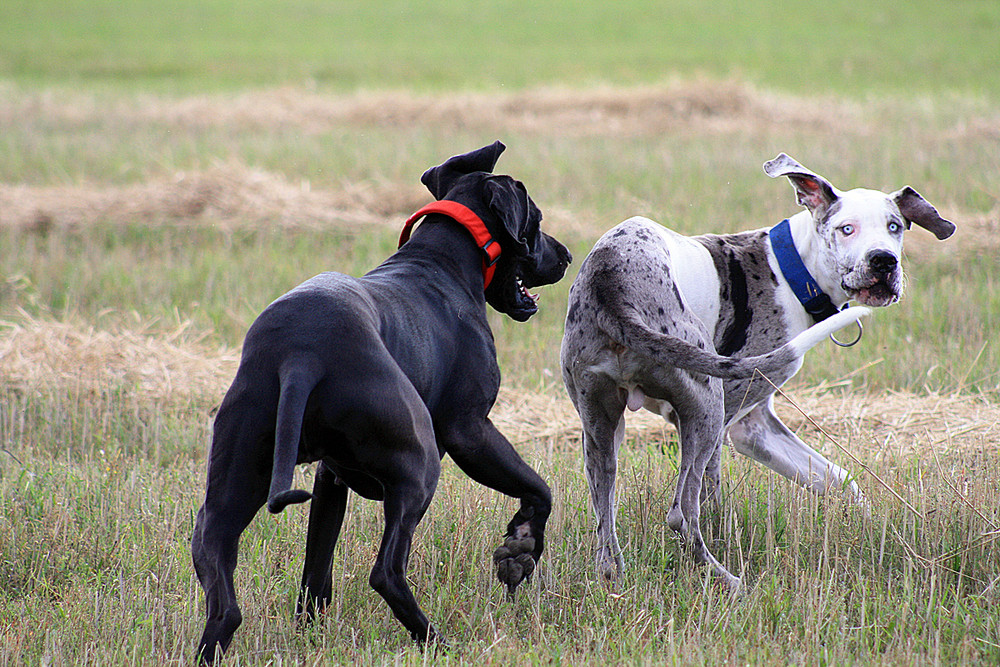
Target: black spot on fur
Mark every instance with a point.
(735, 336)
(571, 315)
(677, 295)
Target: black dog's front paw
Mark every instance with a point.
(515, 560)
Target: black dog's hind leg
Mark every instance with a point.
(237, 488)
(326, 516)
(486, 456)
(405, 502)
(397, 449)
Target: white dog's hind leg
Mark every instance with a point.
(700, 433)
(761, 436)
(601, 406)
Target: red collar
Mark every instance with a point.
(465, 217)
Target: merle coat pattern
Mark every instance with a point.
(689, 327)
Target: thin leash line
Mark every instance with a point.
(850, 455)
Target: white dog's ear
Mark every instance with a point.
(915, 208)
(811, 190)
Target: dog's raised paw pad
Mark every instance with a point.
(514, 569)
(519, 545)
(509, 572)
(527, 564)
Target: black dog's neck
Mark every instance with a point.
(442, 242)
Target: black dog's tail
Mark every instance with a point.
(295, 390)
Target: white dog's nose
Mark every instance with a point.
(882, 261)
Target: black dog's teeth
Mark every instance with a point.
(524, 290)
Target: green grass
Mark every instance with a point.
(107, 106)
(96, 569)
(862, 49)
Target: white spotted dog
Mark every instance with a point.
(682, 325)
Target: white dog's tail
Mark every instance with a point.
(638, 337)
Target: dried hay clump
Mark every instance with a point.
(225, 195)
(704, 104)
(709, 105)
(887, 424)
(891, 423)
(525, 416)
(44, 355)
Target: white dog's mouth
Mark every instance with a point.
(876, 292)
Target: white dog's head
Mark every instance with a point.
(862, 230)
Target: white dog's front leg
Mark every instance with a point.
(761, 436)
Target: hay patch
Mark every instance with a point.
(705, 105)
(226, 196)
(180, 367)
(53, 356)
(872, 425)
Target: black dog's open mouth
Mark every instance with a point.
(525, 303)
(524, 291)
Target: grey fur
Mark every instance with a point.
(686, 327)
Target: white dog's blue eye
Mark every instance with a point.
(893, 227)
(847, 230)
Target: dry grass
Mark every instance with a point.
(703, 105)
(228, 195)
(36, 354)
(231, 193)
(97, 545)
(105, 410)
(178, 367)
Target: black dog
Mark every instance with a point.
(377, 378)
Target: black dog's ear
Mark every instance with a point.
(508, 200)
(811, 190)
(439, 180)
(915, 208)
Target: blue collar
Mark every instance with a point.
(816, 302)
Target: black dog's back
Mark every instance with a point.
(376, 378)
(290, 362)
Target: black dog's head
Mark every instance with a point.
(529, 257)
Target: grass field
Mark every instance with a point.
(167, 169)
(912, 48)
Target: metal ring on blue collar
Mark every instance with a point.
(861, 331)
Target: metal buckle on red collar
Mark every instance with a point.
(492, 250)
(464, 216)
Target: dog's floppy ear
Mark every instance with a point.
(811, 190)
(509, 202)
(439, 180)
(915, 208)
